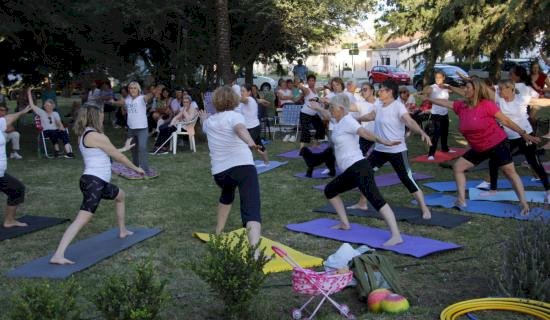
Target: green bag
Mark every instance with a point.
(366, 266)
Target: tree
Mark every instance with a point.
(223, 32)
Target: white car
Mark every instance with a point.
(263, 83)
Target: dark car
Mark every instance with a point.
(379, 74)
(451, 75)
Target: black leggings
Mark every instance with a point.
(165, 131)
(441, 130)
(359, 175)
(13, 188)
(246, 179)
(365, 145)
(307, 121)
(255, 134)
(530, 153)
(400, 163)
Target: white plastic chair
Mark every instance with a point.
(180, 131)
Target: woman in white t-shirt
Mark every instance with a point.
(95, 182)
(356, 170)
(232, 164)
(390, 119)
(249, 109)
(13, 188)
(284, 94)
(52, 127)
(365, 106)
(309, 117)
(136, 108)
(514, 106)
(439, 115)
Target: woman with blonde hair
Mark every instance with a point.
(96, 150)
(232, 164)
(478, 116)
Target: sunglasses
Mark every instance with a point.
(50, 118)
(365, 89)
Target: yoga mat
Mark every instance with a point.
(295, 154)
(441, 156)
(121, 170)
(448, 186)
(518, 161)
(387, 179)
(276, 264)
(495, 209)
(85, 253)
(507, 195)
(317, 174)
(411, 215)
(415, 246)
(261, 167)
(35, 223)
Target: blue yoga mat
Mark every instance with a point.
(507, 195)
(449, 186)
(84, 253)
(415, 246)
(261, 167)
(496, 209)
(35, 223)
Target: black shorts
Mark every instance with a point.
(499, 155)
(13, 188)
(93, 190)
(255, 133)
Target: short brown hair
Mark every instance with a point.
(225, 99)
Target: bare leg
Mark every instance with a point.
(387, 213)
(223, 213)
(263, 154)
(510, 172)
(361, 204)
(341, 211)
(120, 215)
(68, 148)
(459, 167)
(9, 218)
(81, 220)
(419, 197)
(254, 230)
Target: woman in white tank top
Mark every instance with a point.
(96, 149)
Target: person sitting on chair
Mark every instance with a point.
(11, 135)
(52, 127)
(187, 116)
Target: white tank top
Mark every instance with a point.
(96, 162)
(438, 93)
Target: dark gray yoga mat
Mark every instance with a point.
(85, 253)
(35, 223)
(411, 215)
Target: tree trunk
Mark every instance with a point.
(249, 73)
(497, 58)
(223, 32)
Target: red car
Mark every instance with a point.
(380, 74)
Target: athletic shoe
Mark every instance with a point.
(451, 151)
(484, 185)
(285, 139)
(326, 171)
(431, 158)
(69, 155)
(15, 155)
(534, 179)
(292, 139)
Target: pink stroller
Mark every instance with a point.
(313, 283)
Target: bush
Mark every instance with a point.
(526, 263)
(140, 297)
(233, 272)
(45, 301)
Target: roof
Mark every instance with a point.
(399, 42)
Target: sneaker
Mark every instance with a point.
(116, 126)
(69, 155)
(292, 139)
(431, 158)
(326, 171)
(15, 155)
(285, 139)
(535, 179)
(451, 151)
(484, 185)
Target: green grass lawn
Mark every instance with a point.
(183, 200)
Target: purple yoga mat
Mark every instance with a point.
(294, 154)
(386, 179)
(125, 172)
(415, 246)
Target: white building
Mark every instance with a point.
(398, 53)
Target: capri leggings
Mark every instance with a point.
(93, 190)
(400, 163)
(255, 134)
(13, 188)
(246, 179)
(359, 175)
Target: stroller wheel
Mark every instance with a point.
(296, 314)
(344, 309)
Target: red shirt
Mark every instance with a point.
(478, 124)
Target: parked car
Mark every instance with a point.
(451, 75)
(263, 83)
(379, 74)
(506, 66)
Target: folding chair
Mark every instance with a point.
(290, 118)
(42, 146)
(179, 131)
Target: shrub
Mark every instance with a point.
(526, 263)
(45, 301)
(233, 272)
(139, 297)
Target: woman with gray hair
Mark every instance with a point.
(356, 170)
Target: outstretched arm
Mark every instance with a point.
(502, 118)
(317, 107)
(544, 102)
(12, 117)
(99, 140)
(442, 102)
(367, 117)
(242, 132)
(411, 124)
(31, 101)
(369, 135)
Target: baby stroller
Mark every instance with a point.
(313, 283)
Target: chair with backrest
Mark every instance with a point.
(190, 132)
(42, 145)
(289, 118)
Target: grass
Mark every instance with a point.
(183, 200)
